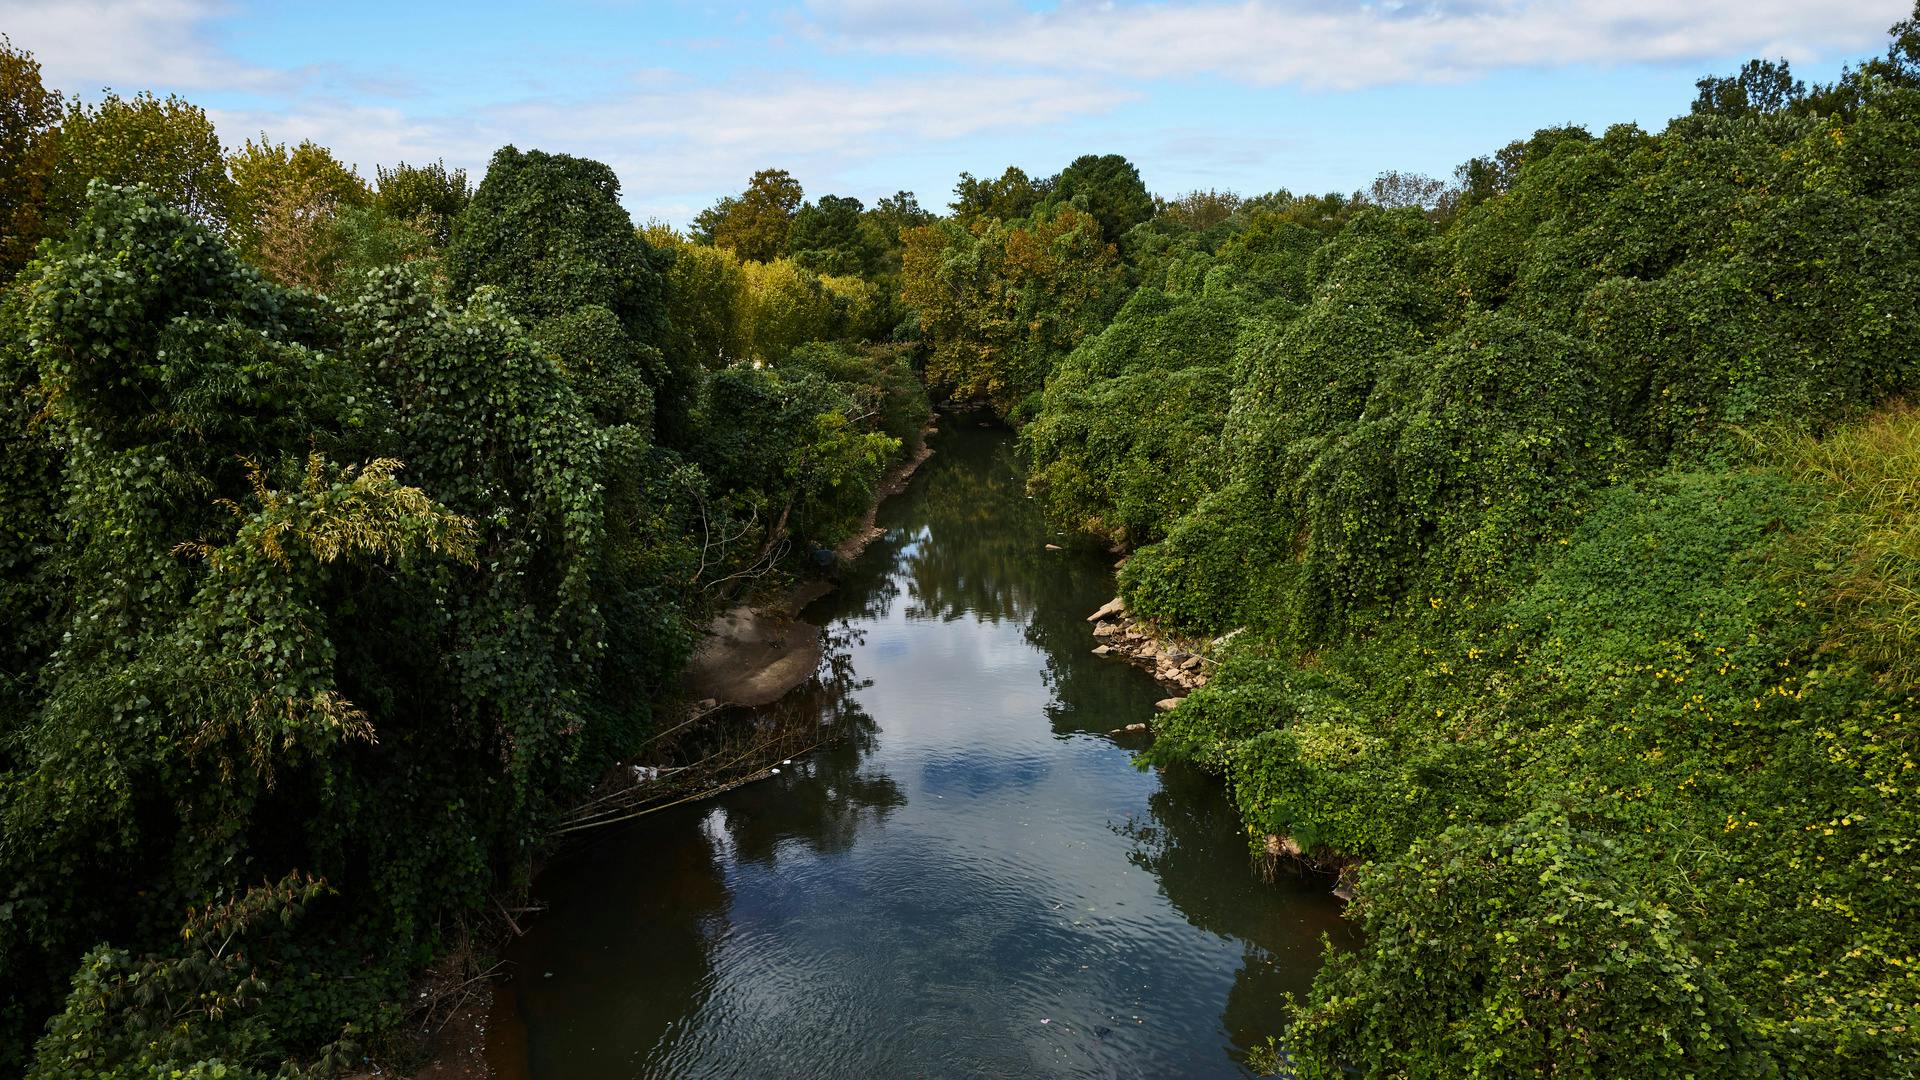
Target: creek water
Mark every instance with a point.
(974, 880)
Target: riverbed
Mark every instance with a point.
(972, 879)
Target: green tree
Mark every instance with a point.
(29, 119)
(432, 197)
(1001, 302)
(706, 289)
(1013, 195)
(1762, 86)
(548, 234)
(167, 144)
(1108, 186)
(755, 223)
(826, 237)
(285, 206)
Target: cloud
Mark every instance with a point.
(674, 141)
(1353, 46)
(83, 45)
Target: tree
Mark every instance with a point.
(1761, 87)
(284, 206)
(430, 196)
(29, 117)
(1108, 186)
(1198, 211)
(826, 237)
(1013, 195)
(1481, 178)
(1000, 302)
(167, 144)
(756, 222)
(706, 291)
(548, 234)
(1393, 190)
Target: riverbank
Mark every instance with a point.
(752, 655)
(1184, 665)
(755, 653)
(974, 878)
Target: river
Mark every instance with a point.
(975, 880)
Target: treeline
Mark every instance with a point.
(1570, 513)
(352, 529)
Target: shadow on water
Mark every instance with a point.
(973, 880)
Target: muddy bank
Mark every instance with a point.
(753, 654)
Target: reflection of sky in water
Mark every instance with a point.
(918, 902)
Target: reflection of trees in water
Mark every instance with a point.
(978, 537)
(824, 798)
(670, 874)
(1195, 846)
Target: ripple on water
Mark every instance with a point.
(981, 885)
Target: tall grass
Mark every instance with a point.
(1869, 543)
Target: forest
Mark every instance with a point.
(1555, 527)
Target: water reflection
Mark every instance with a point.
(971, 881)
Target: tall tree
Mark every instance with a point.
(548, 233)
(1394, 189)
(1000, 302)
(166, 143)
(284, 207)
(1013, 195)
(1762, 86)
(431, 197)
(1108, 187)
(756, 222)
(826, 237)
(29, 116)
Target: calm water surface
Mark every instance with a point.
(975, 881)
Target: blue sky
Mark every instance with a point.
(865, 97)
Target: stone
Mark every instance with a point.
(1167, 703)
(1105, 629)
(1178, 655)
(1191, 663)
(1112, 607)
(1102, 650)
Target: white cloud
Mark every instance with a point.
(1340, 47)
(675, 142)
(84, 45)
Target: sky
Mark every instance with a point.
(868, 97)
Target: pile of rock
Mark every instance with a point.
(1124, 637)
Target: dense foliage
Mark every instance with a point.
(353, 532)
(1568, 511)
(1554, 530)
